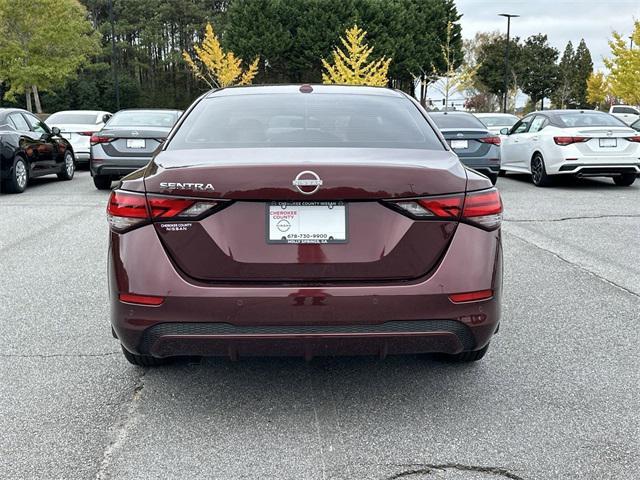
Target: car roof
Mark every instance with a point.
(497, 114)
(149, 110)
(451, 113)
(97, 112)
(317, 89)
(567, 110)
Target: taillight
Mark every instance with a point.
(491, 140)
(634, 139)
(433, 207)
(564, 141)
(87, 134)
(95, 139)
(126, 210)
(483, 209)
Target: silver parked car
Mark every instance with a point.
(497, 121)
(77, 126)
(127, 142)
(471, 140)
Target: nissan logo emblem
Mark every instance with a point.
(307, 179)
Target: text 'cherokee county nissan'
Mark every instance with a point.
(304, 220)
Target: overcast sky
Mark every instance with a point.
(561, 20)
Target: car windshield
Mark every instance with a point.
(456, 120)
(73, 118)
(499, 121)
(588, 119)
(305, 120)
(144, 118)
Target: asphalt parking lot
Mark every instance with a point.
(555, 398)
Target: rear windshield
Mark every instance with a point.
(587, 119)
(73, 118)
(144, 118)
(305, 120)
(456, 120)
(499, 121)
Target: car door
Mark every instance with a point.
(513, 145)
(45, 146)
(28, 143)
(532, 140)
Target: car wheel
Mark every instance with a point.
(69, 167)
(493, 177)
(539, 172)
(502, 173)
(143, 360)
(102, 182)
(17, 183)
(465, 357)
(625, 180)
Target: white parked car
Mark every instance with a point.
(583, 143)
(626, 113)
(77, 126)
(497, 121)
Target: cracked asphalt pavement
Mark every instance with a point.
(555, 398)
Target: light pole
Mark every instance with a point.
(506, 60)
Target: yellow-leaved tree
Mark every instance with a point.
(624, 67)
(597, 88)
(350, 66)
(218, 68)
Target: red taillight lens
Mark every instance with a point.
(140, 299)
(87, 134)
(491, 140)
(171, 207)
(634, 139)
(126, 210)
(95, 139)
(564, 141)
(435, 207)
(483, 209)
(471, 296)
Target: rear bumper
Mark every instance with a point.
(116, 168)
(82, 157)
(242, 320)
(598, 170)
(483, 165)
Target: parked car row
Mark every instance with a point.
(580, 143)
(112, 145)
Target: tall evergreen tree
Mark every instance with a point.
(583, 68)
(539, 69)
(562, 96)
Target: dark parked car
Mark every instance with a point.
(127, 142)
(472, 141)
(28, 149)
(313, 220)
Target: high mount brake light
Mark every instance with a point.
(564, 141)
(95, 139)
(126, 210)
(491, 140)
(482, 209)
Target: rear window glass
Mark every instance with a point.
(498, 121)
(587, 119)
(73, 118)
(456, 120)
(144, 118)
(305, 120)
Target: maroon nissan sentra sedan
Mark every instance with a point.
(304, 220)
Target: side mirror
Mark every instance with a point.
(504, 131)
(106, 117)
(55, 131)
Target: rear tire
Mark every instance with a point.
(465, 357)
(17, 182)
(143, 360)
(625, 180)
(493, 177)
(68, 168)
(102, 182)
(502, 173)
(539, 172)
